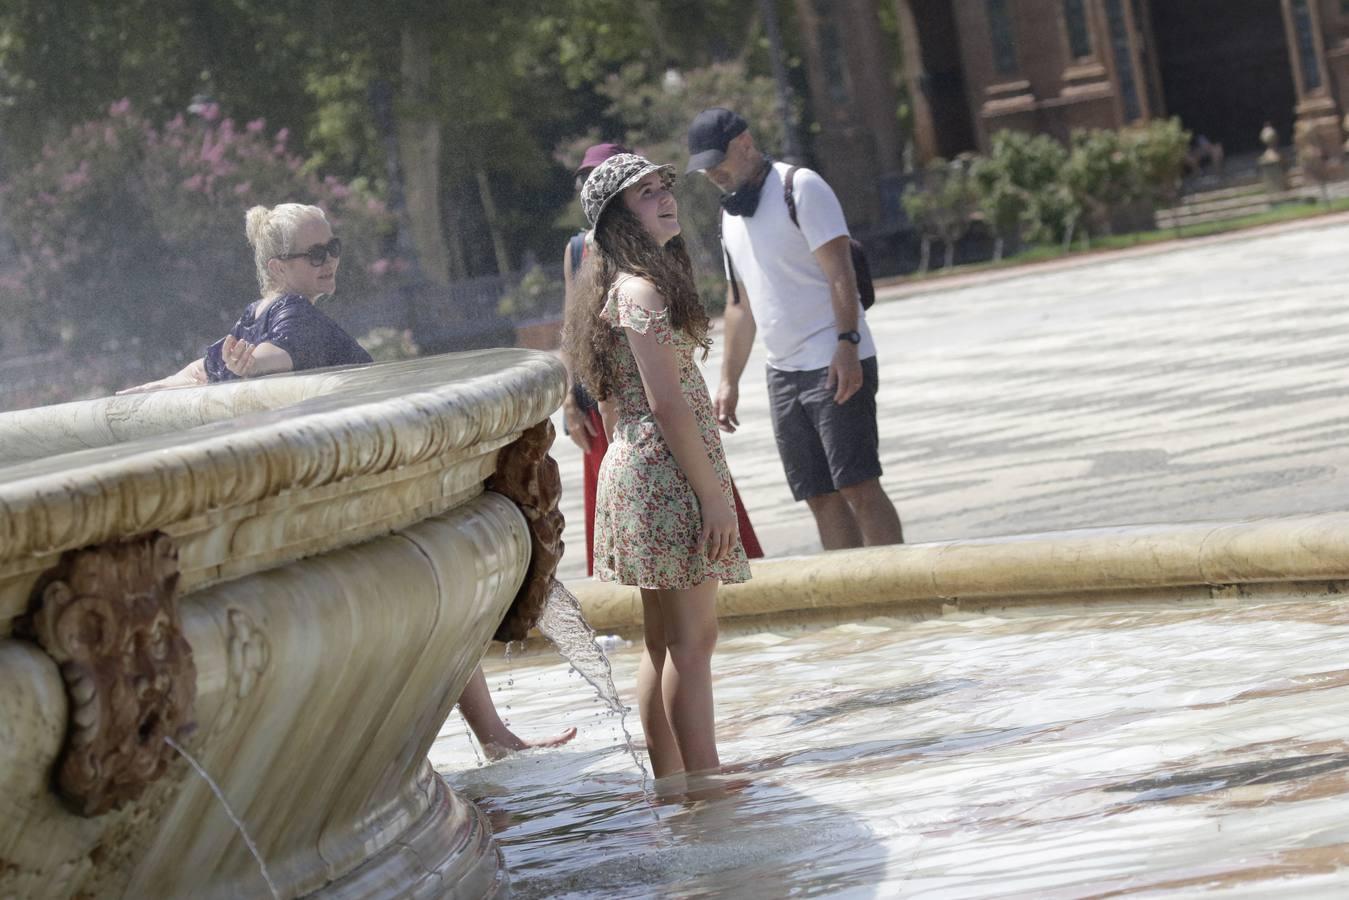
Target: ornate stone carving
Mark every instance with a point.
(528, 476)
(249, 654)
(109, 616)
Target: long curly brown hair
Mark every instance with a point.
(622, 245)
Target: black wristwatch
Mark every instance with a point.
(851, 337)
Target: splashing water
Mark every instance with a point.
(563, 624)
(472, 742)
(220, 795)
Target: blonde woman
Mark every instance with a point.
(296, 257)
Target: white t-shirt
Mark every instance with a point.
(788, 291)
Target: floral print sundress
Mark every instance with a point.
(647, 517)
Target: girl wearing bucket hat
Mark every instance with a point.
(664, 519)
(582, 420)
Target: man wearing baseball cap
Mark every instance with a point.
(793, 282)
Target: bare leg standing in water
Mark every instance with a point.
(660, 739)
(674, 684)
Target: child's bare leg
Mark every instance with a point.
(498, 741)
(660, 740)
(690, 622)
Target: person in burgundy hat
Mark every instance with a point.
(583, 421)
(581, 414)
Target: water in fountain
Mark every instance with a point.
(563, 624)
(472, 742)
(238, 824)
(1146, 750)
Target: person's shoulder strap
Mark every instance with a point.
(730, 266)
(576, 246)
(789, 193)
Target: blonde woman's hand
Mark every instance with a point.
(237, 355)
(720, 530)
(149, 386)
(189, 377)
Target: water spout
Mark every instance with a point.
(563, 624)
(220, 795)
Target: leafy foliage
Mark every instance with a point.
(1159, 149)
(942, 203)
(130, 235)
(537, 295)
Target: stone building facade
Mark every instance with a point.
(974, 67)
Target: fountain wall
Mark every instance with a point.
(291, 577)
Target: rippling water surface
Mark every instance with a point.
(1154, 751)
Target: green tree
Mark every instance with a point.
(1002, 201)
(1026, 170)
(482, 95)
(1159, 149)
(944, 201)
(943, 204)
(130, 236)
(63, 63)
(1103, 174)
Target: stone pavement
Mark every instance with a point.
(1182, 383)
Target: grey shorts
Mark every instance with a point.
(824, 446)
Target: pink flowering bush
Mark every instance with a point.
(130, 235)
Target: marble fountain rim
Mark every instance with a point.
(1203, 563)
(367, 421)
(367, 451)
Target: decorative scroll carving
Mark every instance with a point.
(249, 655)
(528, 476)
(109, 616)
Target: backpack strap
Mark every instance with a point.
(789, 192)
(576, 247)
(730, 266)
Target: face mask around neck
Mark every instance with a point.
(746, 200)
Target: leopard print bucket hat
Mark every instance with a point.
(615, 175)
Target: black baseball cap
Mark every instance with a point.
(709, 135)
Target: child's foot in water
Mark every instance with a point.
(495, 750)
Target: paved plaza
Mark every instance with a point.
(1185, 383)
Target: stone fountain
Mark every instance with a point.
(291, 578)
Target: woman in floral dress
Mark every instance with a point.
(664, 519)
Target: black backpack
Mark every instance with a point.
(866, 290)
